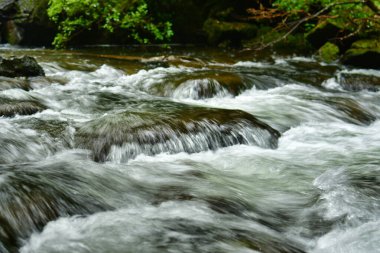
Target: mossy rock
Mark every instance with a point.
(152, 127)
(329, 52)
(233, 32)
(363, 53)
(10, 108)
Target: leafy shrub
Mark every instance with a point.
(75, 16)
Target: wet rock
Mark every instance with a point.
(152, 127)
(201, 84)
(358, 82)
(233, 32)
(210, 85)
(364, 54)
(13, 83)
(351, 111)
(356, 114)
(10, 108)
(59, 132)
(17, 67)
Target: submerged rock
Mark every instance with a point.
(154, 127)
(348, 109)
(13, 83)
(210, 85)
(10, 108)
(358, 82)
(364, 54)
(32, 194)
(355, 113)
(16, 67)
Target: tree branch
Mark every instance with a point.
(307, 18)
(373, 6)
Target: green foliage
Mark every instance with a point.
(76, 16)
(348, 14)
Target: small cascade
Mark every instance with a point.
(173, 128)
(199, 89)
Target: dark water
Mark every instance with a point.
(189, 150)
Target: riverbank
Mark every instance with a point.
(223, 24)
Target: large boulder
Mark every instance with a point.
(364, 54)
(17, 67)
(10, 108)
(152, 127)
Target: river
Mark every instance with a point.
(189, 150)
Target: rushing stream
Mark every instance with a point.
(188, 150)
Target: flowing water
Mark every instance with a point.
(189, 150)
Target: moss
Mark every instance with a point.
(372, 44)
(329, 52)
